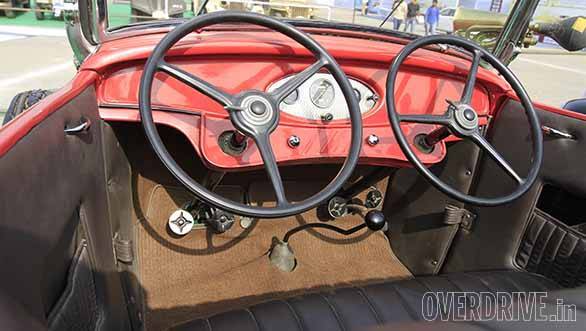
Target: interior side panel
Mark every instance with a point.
(415, 210)
(496, 237)
(553, 249)
(53, 200)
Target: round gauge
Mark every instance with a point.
(322, 93)
(358, 95)
(291, 98)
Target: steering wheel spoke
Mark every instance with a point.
(471, 80)
(202, 86)
(496, 156)
(292, 84)
(252, 112)
(427, 119)
(265, 149)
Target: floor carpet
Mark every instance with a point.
(204, 273)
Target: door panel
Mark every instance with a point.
(53, 201)
(498, 232)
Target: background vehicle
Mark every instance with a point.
(6, 4)
(293, 11)
(157, 9)
(446, 20)
(57, 8)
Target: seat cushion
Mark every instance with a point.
(357, 308)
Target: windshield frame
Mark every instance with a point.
(514, 30)
(93, 21)
(93, 26)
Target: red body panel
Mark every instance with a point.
(237, 61)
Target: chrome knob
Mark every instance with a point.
(293, 141)
(181, 222)
(327, 117)
(372, 140)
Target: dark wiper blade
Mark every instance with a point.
(351, 27)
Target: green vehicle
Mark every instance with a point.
(7, 6)
(55, 7)
(157, 9)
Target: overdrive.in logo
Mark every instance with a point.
(495, 306)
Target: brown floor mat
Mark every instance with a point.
(202, 273)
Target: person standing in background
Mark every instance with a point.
(400, 14)
(411, 18)
(432, 18)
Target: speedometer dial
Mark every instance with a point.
(320, 98)
(322, 93)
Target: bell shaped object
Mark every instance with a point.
(281, 256)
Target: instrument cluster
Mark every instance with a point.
(320, 98)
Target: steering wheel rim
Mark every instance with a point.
(247, 120)
(457, 123)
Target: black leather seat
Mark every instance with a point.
(361, 308)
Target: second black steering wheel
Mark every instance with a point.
(461, 120)
(254, 113)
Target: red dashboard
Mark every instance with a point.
(236, 61)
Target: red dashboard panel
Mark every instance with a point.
(420, 90)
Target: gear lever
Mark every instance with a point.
(283, 257)
(375, 220)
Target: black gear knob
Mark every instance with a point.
(375, 220)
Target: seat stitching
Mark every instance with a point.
(576, 273)
(405, 304)
(567, 272)
(292, 309)
(533, 245)
(453, 283)
(469, 276)
(539, 261)
(479, 279)
(363, 293)
(483, 326)
(253, 319)
(561, 241)
(509, 280)
(209, 324)
(423, 284)
(552, 264)
(338, 318)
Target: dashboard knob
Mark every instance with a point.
(372, 140)
(293, 141)
(327, 117)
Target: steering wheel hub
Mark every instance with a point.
(257, 110)
(466, 117)
(258, 107)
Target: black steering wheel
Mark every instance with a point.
(253, 113)
(461, 120)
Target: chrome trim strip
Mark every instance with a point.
(81, 47)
